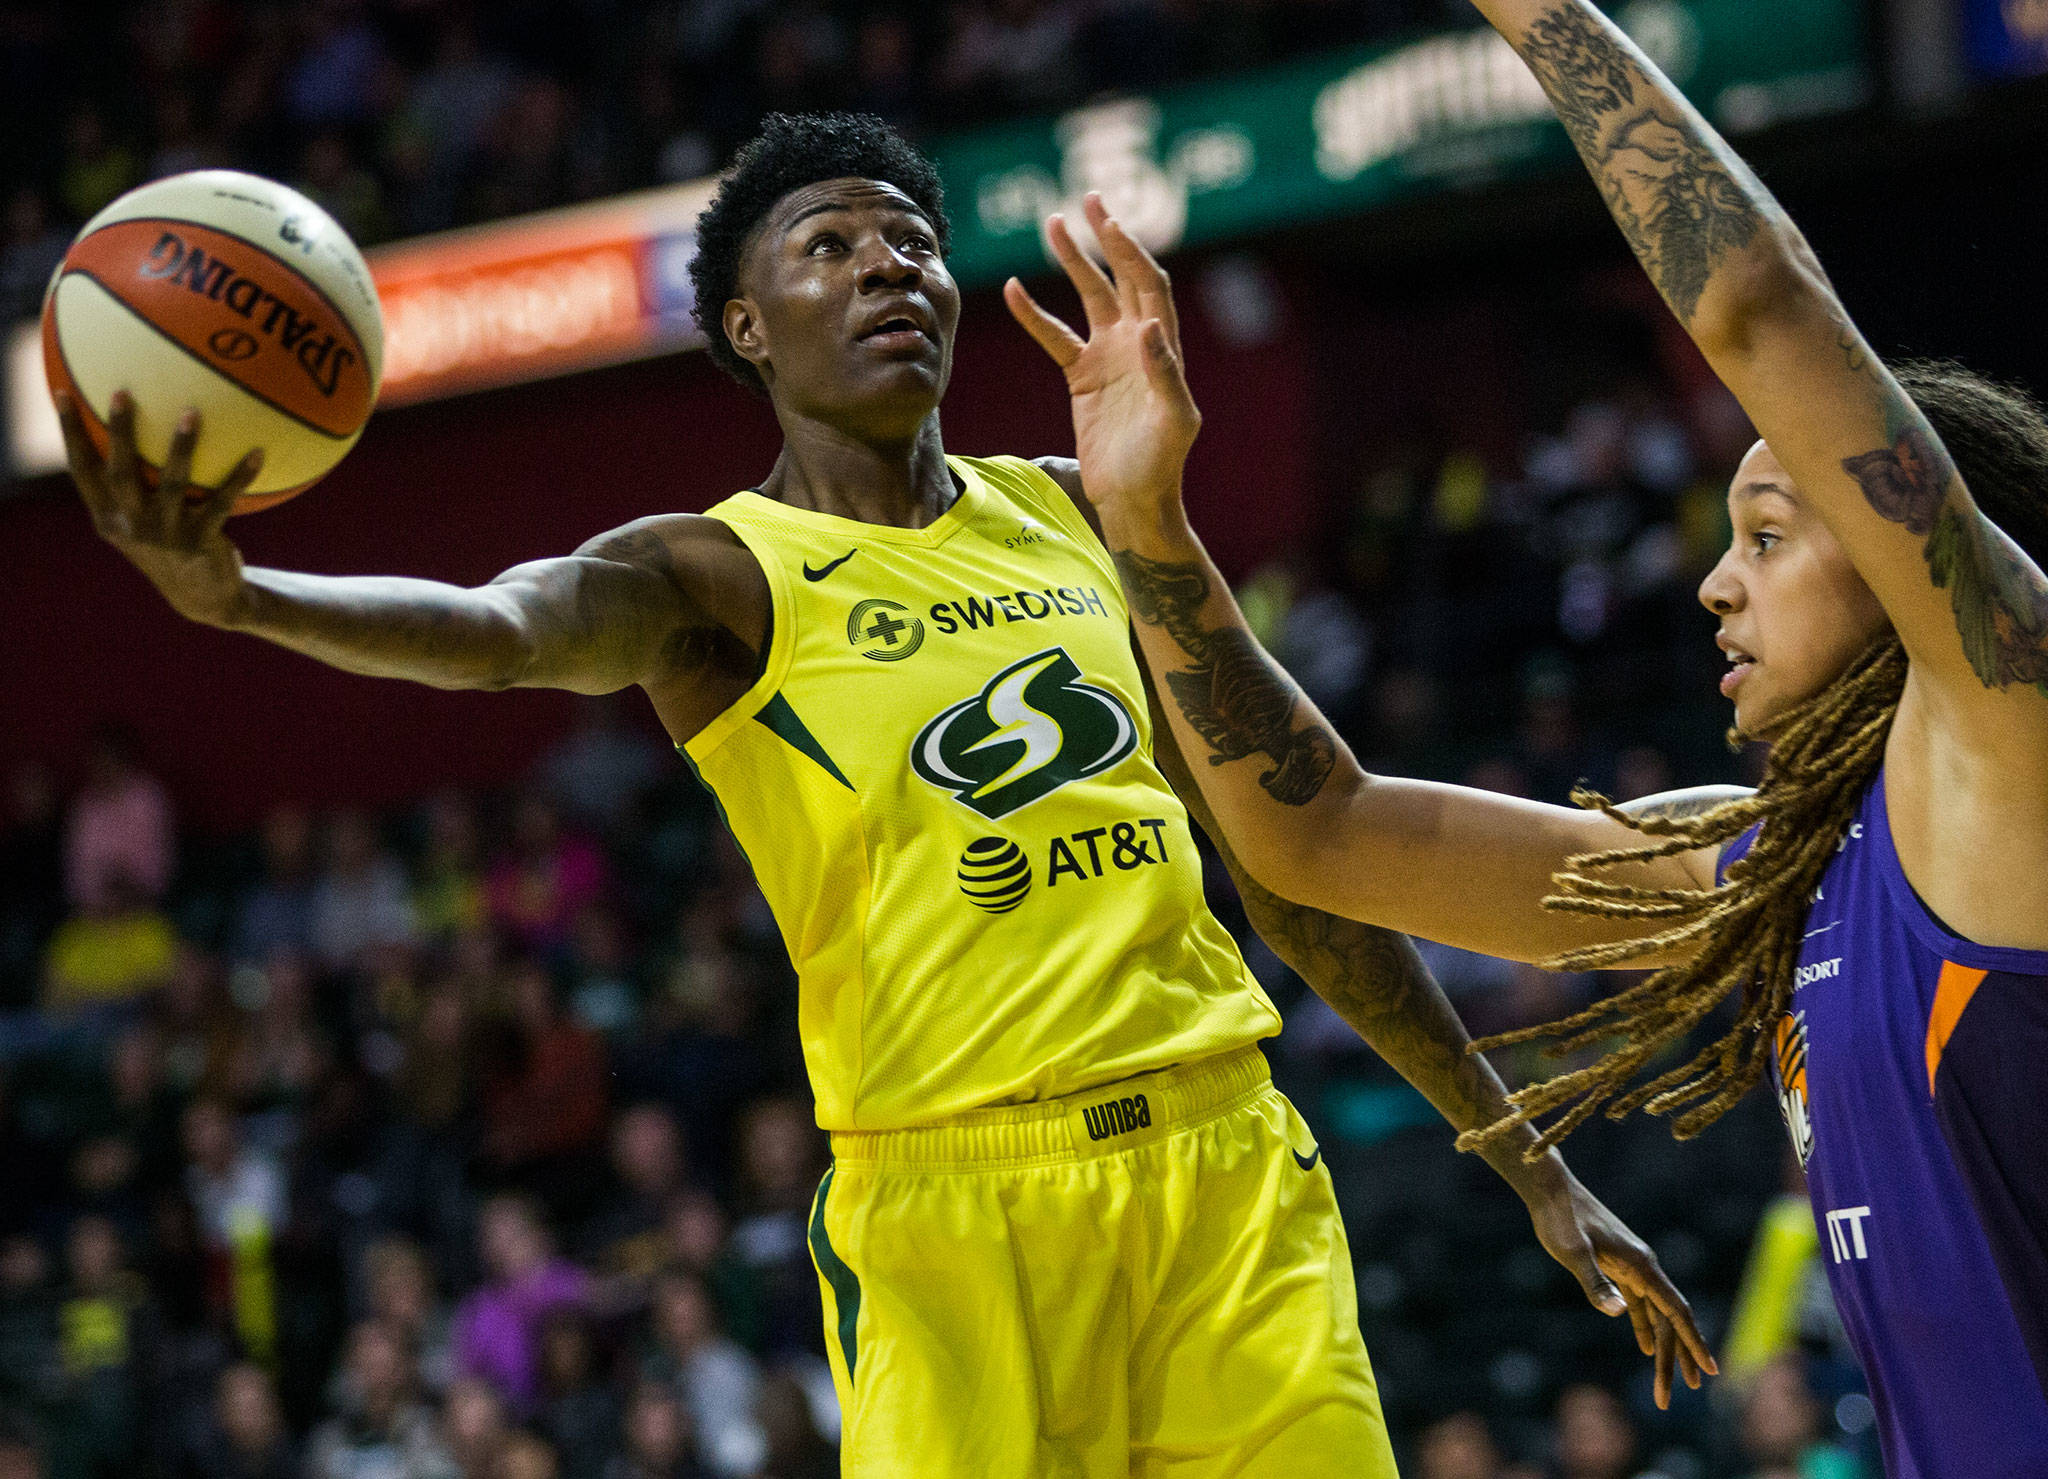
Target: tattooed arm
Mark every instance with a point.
(625, 608)
(1971, 609)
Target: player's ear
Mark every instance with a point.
(745, 332)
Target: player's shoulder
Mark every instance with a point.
(664, 542)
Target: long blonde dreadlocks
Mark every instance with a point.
(1746, 932)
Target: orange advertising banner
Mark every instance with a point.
(541, 295)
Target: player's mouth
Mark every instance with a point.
(898, 329)
(1740, 664)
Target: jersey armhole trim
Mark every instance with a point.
(781, 644)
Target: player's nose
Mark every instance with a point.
(1721, 592)
(883, 267)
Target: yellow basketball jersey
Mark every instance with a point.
(944, 782)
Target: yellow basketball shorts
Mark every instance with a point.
(1146, 1281)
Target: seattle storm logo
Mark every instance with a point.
(1032, 729)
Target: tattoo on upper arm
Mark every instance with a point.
(1235, 697)
(1675, 197)
(1906, 482)
(1674, 806)
(1999, 596)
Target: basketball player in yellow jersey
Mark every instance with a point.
(1070, 1228)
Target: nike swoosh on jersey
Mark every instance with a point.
(1307, 1162)
(810, 574)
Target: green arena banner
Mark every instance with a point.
(1347, 131)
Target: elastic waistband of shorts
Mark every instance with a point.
(1101, 1121)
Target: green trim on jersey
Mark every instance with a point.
(781, 720)
(845, 1283)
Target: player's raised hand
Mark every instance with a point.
(168, 528)
(1619, 1272)
(1134, 419)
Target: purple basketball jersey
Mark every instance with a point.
(1909, 1069)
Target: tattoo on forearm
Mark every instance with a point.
(1372, 978)
(1999, 597)
(1681, 204)
(1235, 696)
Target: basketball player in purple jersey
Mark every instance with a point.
(1880, 902)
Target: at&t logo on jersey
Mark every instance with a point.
(1032, 729)
(994, 874)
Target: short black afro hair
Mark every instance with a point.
(790, 152)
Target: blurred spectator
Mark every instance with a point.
(107, 1342)
(332, 81)
(498, 1327)
(796, 1449)
(546, 1108)
(1595, 1439)
(31, 1364)
(474, 1430)
(537, 888)
(331, 178)
(626, 1234)
(359, 902)
(525, 1456)
(33, 247)
(237, 1195)
(579, 1412)
(601, 767)
(119, 832)
(246, 1437)
(780, 1166)
(277, 912)
(695, 1239)
(382, 1430)
(97, 166)
(448, 894)
(399, 1284)
(118, 947)
(1008, 55)
(1781, 1428)
(604, 996)
(718, 1382)
(279, 1054)
(658, 1441)
(1457, 1447)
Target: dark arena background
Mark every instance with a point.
(368, 1049)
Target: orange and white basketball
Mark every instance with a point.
(228, 293)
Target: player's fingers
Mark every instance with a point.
(124, 463)
(1667, 1346)
(220, 502)
(1643, 1273)
(1163, 368)
(1053, 336)
(177, 469)
(1141, 283)
(1098, 299)
(82, 457)
(1601, 1292)
(1643, 1320)
(1689, 1368)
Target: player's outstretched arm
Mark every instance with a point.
(1970, 607)
(1375, 981)
(1445, 862)
(593, 622)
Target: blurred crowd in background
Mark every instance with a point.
(471, 1138)
(408, 116)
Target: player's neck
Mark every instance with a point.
(903, 483)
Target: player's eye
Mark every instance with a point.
(824, 241)
(917, 241)
(1764, 540)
